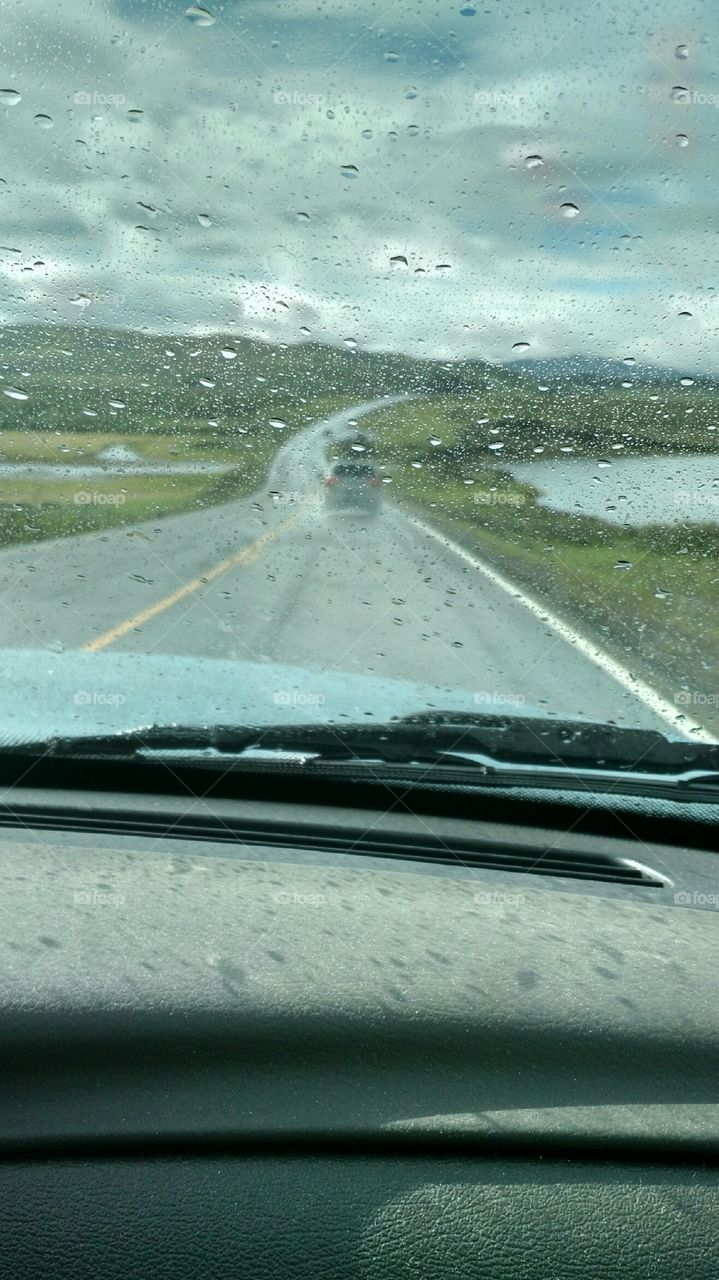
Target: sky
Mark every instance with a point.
(445, 179)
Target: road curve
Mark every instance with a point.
(276, 577)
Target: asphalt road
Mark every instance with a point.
(279, 578)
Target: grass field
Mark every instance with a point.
(649, 595)
(34, 509)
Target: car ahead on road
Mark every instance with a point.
(353, 486)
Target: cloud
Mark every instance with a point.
(229, 192)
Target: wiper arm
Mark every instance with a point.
(502, 751)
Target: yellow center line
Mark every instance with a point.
(245, 556)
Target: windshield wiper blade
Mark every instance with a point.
(488, 750)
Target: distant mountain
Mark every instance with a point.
(600, 369)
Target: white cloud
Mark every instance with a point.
(251, 120)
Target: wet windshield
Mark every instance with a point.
(358, 361)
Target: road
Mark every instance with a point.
(280, 579)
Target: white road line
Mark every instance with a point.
(653, 700)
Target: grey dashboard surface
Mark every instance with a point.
(378, 1219)
(157, 992)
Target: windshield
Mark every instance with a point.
(358, 362)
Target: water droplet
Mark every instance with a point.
(278, 423)
(391, 56)
(686, 382)
(206, 382)
(349, 171)
(433, 441)
(410, 91)
(682, 140)
(468, 11)
(679, 93)
(629, 360)
(43, 121)
(687, 315)
(520, 346)
(302, 216)
(135, 116)
(204, 219)
(117, 404)
(229, 353)
(351, 343)
(305, 331)
(604, 462)
(358, 448)
(443, 266)
(81, 300)
(681, 52)
(398, 262)
(200, 17)
(568, 210)
(533, 162)
(412, 130)
(366, 133)
(9, 97)
(661, 594)
(623, 564)
(13, 393)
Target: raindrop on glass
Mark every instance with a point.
(200, 17)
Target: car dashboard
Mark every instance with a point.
(247, 1038)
